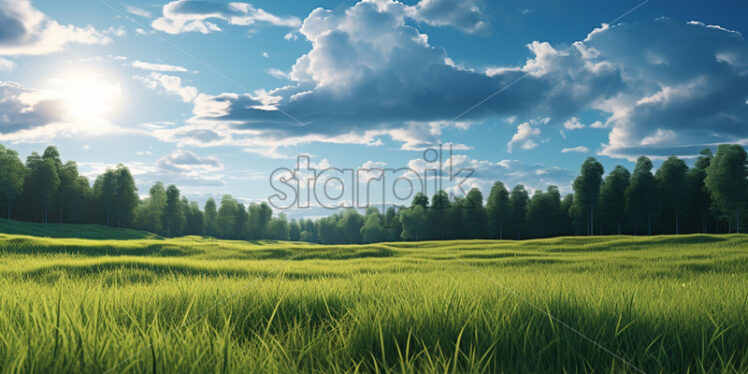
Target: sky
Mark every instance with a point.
(223, 97)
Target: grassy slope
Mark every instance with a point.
(665, 304)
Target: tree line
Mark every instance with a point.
(710, 197)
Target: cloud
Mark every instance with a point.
(138, 11)
(533, 176)
(170, 84)
(181, 167)
(184, 161)
(7, 65)
(27, 31)
(681, 97)
(370, 75)
(193, 16)
(464, 15)
(157, 67)
(578, 149)
(41, 115)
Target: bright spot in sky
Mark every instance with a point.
(85, 96)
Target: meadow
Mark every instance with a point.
(128, 301)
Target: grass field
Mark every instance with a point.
(128, 301)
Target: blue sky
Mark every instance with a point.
(213, 96)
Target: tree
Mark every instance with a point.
(12, 174)
(392, 225)
(587, 190)
(294, 231)
(640, 194)
(126, 197)
(613, 196)
(209, 217)
(698, 195)
(151, 214)
(373, 230)
(104, 190)
(544, 213)
(518, 208)
(43, 181)
(497, 208)
(671, 184)
(413, 220)
(193, 218)
(437, 215)
(727, 180)
(475, 216)
(225, 219)
(173, 216)
(420, 199)
(349, 226)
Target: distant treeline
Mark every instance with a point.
(710, 197)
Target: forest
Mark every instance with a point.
(710, 197)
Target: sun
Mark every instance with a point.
(85, 95)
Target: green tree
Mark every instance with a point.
(173, 216)
(226, 217)
(151, 214)
(210, 217)
(544, 213)
(475, 216)
(727, 180)
(294, 231)
(12, 174)
(671, 184)
(413, 221)
(613, 196)
(698, 195)
(640, 194)
(587, 190)
(518, 200)
(497, 208)
(43, 181)
(193, 218)
(437, 215)
(373, 229)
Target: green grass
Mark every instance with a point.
(139, 303)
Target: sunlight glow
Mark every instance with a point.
(86, 96)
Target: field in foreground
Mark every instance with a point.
(142, 304)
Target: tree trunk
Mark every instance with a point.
(618, 227)
(737, 219)
(677, 229)
(9, 197)
(649, 223)
(501, 228)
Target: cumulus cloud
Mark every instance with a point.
(525, 133)
(170, 84)
(369, 75)
(464, 15)
(198, 16)
(25, 30)
(183, 160)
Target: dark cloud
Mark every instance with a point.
(20, 111)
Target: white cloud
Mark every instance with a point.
(7, 65)
(465, 15)
(157, 67)
(27, 31)
(578, 149)
(138, 11)
(170, 84)
(523, 136)
(193, 16)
